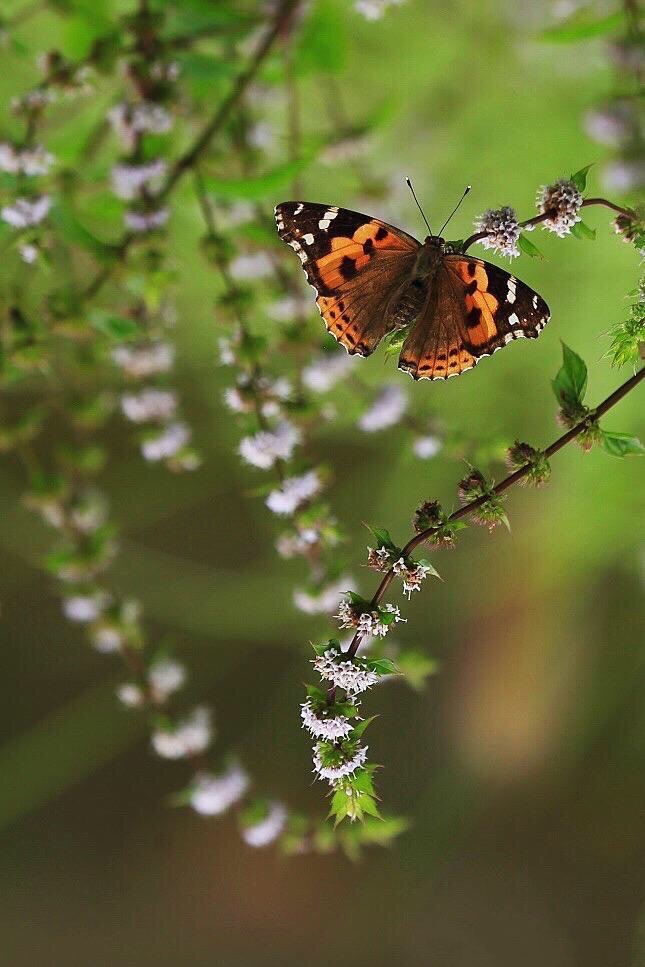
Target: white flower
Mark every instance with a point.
(623, 176)
(236, 401)
(33, 100)
(299, 542)
(149, 404)
(261, 136)
(386, 410)
(28, 253)
(374, 9)
(268, 829)
(411, 577)
(367, 622)
(610, 124)
(253, 266)
(106, 639)
(239, 213)
(503, 228)
(129, 180)
(141, 222)
(226, 354)
(90, 512)
(130, 695)
(28, 161)
(332, 728)
(325, 370)
(264, 448)
(145, 117)
(168, 71)
(426, 447)
(565, 200)
(293, 492)
(352, 675)
(25, 212)
(189, 736)
(213, 794)
(165, 676)
(347, 768)
(288, 308)
(167, 443)
(146, 360)
(325, 599)
(84, 608)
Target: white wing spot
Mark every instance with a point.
(535, 301)
(308, 239)
(513, 319)
(298, 209)
(510, 295)
(324, 223)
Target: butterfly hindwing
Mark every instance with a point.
(473, 310)
(354, 262)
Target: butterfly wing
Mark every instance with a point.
(474, 309)
(355, 263)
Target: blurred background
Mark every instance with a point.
(522, 764)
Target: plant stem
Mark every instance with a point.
(502, 486)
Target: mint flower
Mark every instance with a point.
(267, 830)
(503, 230)
(352, 675)
(189, 736)
(330, 727)
(333, 763)
(293, 492)
(565, 200)
(264, 448)
(212, 794)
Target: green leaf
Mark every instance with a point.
(382, 537)
(118, 328)
(259, 187)
(360, 728)
(72, 231)
(582, 25)
(621, 444)
(570, 384)
(323, 39)
(580, 230)
(416, 667)
(313, 691)
(382, 666)
(432, 570)
(527, 246)
(580, 178)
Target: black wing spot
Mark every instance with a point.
(348, 268)
(368, 246)
(341, 306)
(441, 357)
(332, 314)
(471, 287)
(381, 233)
(474, 317)
(472, 268)
(453, 352)
(345, 318)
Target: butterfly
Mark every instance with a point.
(372, 279)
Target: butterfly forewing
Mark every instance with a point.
(355, 263)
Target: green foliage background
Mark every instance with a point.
(522, 766)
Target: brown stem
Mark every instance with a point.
(502, 486)
(529, 222)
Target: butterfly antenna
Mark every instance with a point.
(456, 208)
(409, 184)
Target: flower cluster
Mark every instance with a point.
(354, 676)
(375, 622)
(503, 230)
(489, 512)
(562, 200)
(522, 454)
(212, 794)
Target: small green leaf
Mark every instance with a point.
(582, 25)
(382, 537)
(527, 246)
(621, 444)
(118, 328)
(382, 666)
(570, 384)
(580, 230)
(580, 178)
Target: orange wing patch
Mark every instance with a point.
(348, 256)
(442, 363)
(481, 305)
(341, 322)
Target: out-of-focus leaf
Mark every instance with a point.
(621, 444)
(582, 25)
(63, 216)
(118, 328)
(257, 188)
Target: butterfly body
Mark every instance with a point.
(371, 279)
